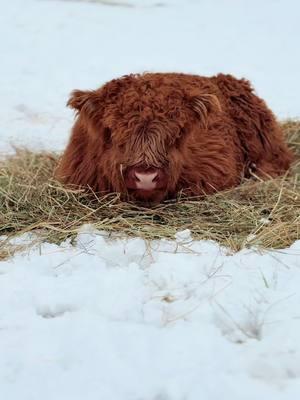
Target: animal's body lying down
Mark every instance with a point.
(150, 136)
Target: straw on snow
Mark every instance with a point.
(261, 213)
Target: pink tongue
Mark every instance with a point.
(145, 181)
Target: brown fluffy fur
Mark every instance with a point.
(204, 133)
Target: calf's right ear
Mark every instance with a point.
(87, 101)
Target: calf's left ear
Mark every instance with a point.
(87, 101)
(205, 104)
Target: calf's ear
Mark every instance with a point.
(203, 105)
(87, 101)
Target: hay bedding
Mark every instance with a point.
(259, 213)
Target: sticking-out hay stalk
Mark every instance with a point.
(258, 213)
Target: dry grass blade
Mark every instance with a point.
(261, 213)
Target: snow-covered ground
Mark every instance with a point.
(128, 320)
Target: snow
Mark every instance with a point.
(48, 48)
(114, 319)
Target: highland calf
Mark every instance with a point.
(151, 136)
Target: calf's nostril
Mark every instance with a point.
(136, 177)
(156, 178)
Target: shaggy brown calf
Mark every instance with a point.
(150, 136)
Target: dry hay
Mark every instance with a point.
(258, 213)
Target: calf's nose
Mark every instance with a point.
(146, 181)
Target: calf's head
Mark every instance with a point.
(135, 134)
